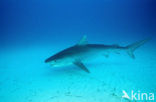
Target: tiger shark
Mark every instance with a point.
(83, 52)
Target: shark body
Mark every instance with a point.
(82, 52)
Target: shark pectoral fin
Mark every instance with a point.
(82, 66)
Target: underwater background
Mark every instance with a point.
(33, 30)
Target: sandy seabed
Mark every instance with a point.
(24, 77)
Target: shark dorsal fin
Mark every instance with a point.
(83, 41)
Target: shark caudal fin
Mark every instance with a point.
(131, 48)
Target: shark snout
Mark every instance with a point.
(51, 62)
(47, 61)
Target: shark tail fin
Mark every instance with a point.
(132, 47)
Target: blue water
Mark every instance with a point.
(33, 30)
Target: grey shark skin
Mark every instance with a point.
(82, 52)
